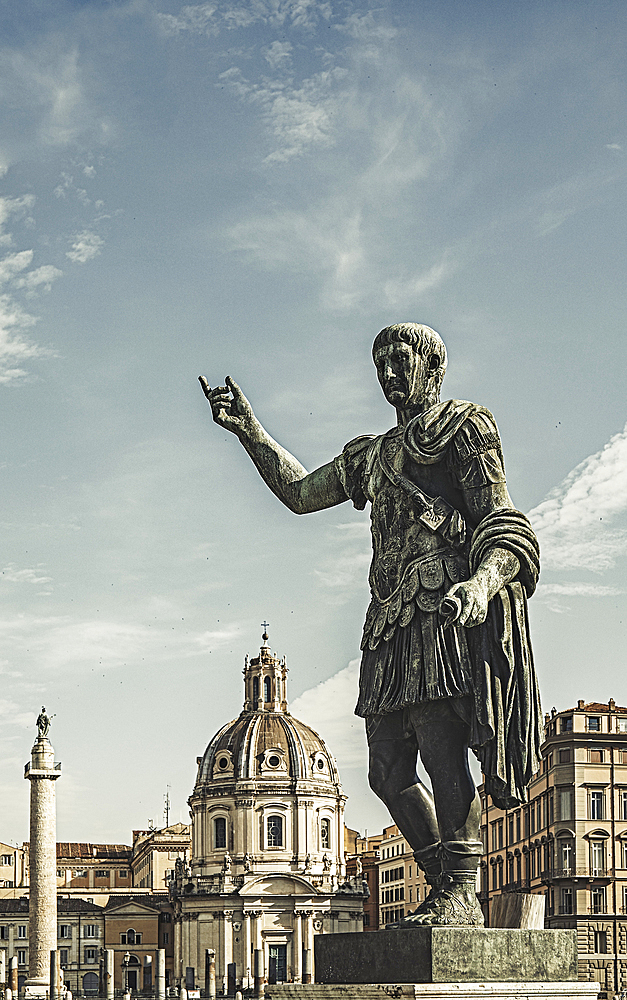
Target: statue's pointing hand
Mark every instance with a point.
(229, 406)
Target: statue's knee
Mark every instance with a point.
(377, 775)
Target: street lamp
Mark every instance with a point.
(125, 963)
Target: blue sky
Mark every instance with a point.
(255, 188)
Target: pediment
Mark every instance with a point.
(132, 909)
(278, 885)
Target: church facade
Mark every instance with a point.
(267, 865)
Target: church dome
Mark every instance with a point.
(265, 742)
(267, 792)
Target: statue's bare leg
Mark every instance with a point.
(442, 737)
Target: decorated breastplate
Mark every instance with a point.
(419, 548)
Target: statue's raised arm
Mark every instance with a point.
(303, 492)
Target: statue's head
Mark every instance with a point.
(417, 357)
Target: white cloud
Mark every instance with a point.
(13, 263)
(399, 293)
(210, 18)
(30, 575)
(278, 55)
(329, 709)
(576, 522)
(85, 247)
(39, 279)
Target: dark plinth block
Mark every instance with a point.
(447, 955)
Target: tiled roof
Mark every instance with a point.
(595, 706)
(63, 906)
(97, 852)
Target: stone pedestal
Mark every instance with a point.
(42, 911)
(447, 955)
(436, 991)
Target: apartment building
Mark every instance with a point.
(155, 853)
(569, 842)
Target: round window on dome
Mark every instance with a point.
(223, 763)
(274, 761)
(320, 764)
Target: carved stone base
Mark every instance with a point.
(447, 955)
(436, 991)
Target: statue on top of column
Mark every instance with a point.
(43, 723)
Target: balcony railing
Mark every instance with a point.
(576, 873)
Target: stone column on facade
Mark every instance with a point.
(246, 978)
(160, 973)
(42, 924)
(227, 954)
(109, 983)
(297, 957)
(308, 941)
(13, 980)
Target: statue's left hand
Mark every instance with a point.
(474, 598)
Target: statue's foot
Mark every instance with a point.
(425, 907)
(454, 904)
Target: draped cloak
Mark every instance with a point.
(425, 538)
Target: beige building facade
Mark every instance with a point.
(155, 853)
(569, 843)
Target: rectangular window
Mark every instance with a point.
(566, 906)
(622, 725)
(495, 877)
(597, 857)
(518, 825)
(166, 937)
(63, 956)
(4, 933)
(91, 930)
(566, 855)
(510, 828)
(102, 873)
(566, 803)
(495, 843)
(90, 956)
(594, 723)
(623, 805)
(21, 957)
(65, 930)
(123, 873)
(411, 895)
(596, 756)
(564, 756)
(7, 859)
(21, 930)
(597, 805)
(275, 831)
(566, 724)
(600, 942)
(597, 898)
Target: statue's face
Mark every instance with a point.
(403, 374)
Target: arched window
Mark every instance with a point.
(219, 832)
(130, 936)
(275, 831)
(255, 691)
(325, 834)
(266, 689)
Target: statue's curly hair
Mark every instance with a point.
(423, 339)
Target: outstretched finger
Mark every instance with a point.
(204, 384)
(235, 389)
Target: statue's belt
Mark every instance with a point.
(435, 513)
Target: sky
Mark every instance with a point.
(255, 188)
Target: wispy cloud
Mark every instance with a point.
(329, 710)
(211, 18)
(577, 523)
(86, 246)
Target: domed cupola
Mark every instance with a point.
(267, 790)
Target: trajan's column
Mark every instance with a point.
(42, 773)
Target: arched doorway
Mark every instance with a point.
(91, 982)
